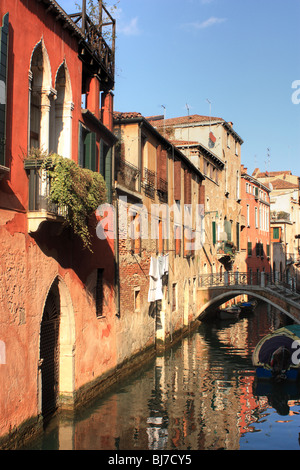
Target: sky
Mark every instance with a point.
(236, 59)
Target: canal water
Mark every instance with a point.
(200, 395)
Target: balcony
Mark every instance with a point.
(148, 183)
(40, 208)
(96, 50)
(226, 248)
(127, 175)
(162, 189)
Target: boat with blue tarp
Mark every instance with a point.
(249, 306)
(277, 355)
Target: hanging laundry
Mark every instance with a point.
(155, 286)
(158, 268)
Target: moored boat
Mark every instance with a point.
(275, 356)
(248, 306)
(228, 313)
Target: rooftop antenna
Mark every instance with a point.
(188, 111)
(267, 162)
(164, 119)
(209, 102)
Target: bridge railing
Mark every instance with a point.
(262, 279)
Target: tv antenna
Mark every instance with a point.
(209, 102)
(163, 106)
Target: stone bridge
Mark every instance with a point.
(214, 290)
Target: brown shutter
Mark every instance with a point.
(177, 180)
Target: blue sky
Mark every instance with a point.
(241, 55)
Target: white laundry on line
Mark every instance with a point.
(158, 267)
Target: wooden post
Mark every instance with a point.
(83, 16)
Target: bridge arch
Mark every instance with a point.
(219, 299)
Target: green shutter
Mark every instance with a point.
(80, 146)
(101, 167)
(276, 233)
(238, 236)
(249, 248)
(3, 85)
(90, 151)
(214, 234)
(108, 172)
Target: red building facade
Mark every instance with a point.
(57, 306)
(255, 233)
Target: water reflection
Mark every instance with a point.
(202, 394)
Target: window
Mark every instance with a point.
(276, 234)
(174, 297)
(137, 299)
(99, 293)
(227, 229)
(237, 186)
(256, 217)
(135, 233)
(259, 249)
(228, 140)
(214, 233)
(3, 83)
(249, 248)
(50, 108)
(236, 148)
(248, 215)
(238, 236)
(177, 236)
(87, 148)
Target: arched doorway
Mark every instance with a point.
(49, 352)
(56, 373)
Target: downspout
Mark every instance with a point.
(116, 237)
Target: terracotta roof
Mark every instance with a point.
(179, 143)
(129, 115)
(283, 184)
(182, 120)
(265, 174)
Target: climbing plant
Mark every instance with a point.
(78, 189)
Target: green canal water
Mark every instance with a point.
(200, 395)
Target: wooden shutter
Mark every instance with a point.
(80, 146)
(177, 180)
(249, 248)
(108, 172)
(163, 165)
(90, 151)
(3, 85)
(214, 233)
(187, 187)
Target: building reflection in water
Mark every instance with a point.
(201, 394)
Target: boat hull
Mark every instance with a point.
(263, 373)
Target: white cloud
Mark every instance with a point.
(129, 29)
(206, 24)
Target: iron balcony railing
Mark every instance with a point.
(148, 183)
(94, 35)
(39, 190)
(273, 279)
(127, 175)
